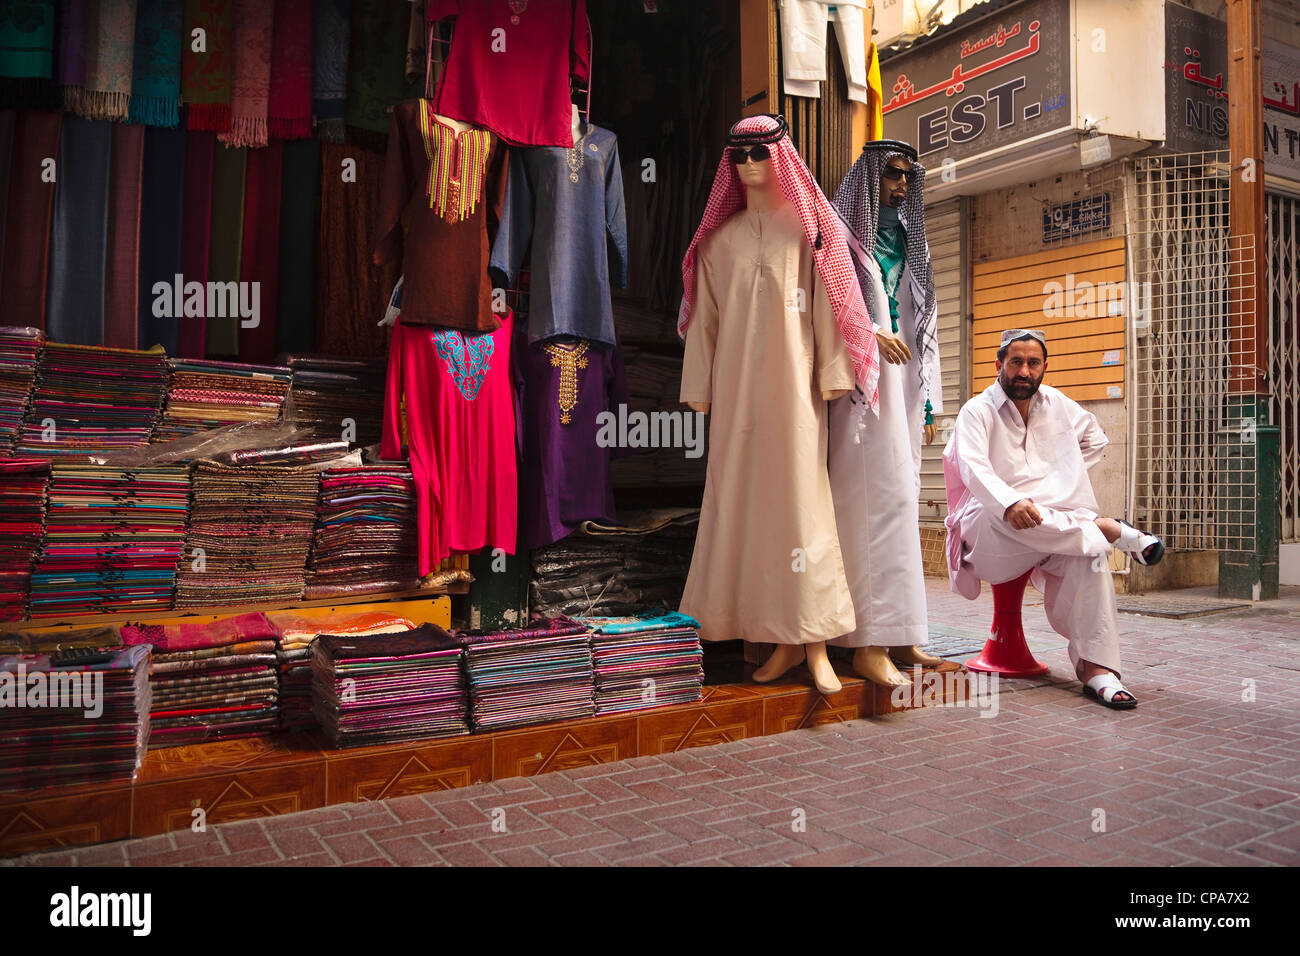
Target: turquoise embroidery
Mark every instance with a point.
(467, 359)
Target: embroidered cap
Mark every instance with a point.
(1012, 335)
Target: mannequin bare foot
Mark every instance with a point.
(784, 657)
(913, 656)
(874, 664)
(823, 674)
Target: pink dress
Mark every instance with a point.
(516, 82)
(460, 420)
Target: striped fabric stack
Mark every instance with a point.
(20, 351)
(24, 483)
(650, 660)
(206, 394)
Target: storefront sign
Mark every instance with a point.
(1196, 91)
(999, 81)
(1078, 218)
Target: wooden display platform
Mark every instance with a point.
(286, 773)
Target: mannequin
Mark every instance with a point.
(578, 125)
(764, 354)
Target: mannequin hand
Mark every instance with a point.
(893, 349)
(1023, 515)
(701, 407)
(831, 394)
(930, 432)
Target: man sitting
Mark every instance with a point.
(1019, 499)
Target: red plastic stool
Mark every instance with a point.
(1005, 652)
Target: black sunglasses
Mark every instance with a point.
(739, 153)
(893, 172)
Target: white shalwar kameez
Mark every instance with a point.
(994, 460)
(874, 466)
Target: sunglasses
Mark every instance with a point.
(893, 172)
(739, 154)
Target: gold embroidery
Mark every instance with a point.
(517, 7)
(568, 361)
(577, 158)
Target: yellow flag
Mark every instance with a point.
(875, 97)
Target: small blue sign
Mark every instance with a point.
(1077, 218)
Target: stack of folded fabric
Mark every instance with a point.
(45, 641)
(112, 539)
(205, 394)
(294, 634)
(20, 350)
(530, 675)
(338, 396)
(253, 524)
(645, 661)
(388, 688)
(90, 399)
(68, 722)
(366, 536)
(210, 681)
(23, 486)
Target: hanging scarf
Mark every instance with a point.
(196, 233)
(376, 67)
(74, 21)
(289, 110)
(27, 55)
(110, 61)
(80, 233)
(156, 78)
(251, 73)
(161, 233)
(226, 242)
(8, 122)
(28, 217)
(329, 78)
(830, 250)
(857, 202)
(205, 74)
(260, 259)
(457, 164)
(891, 256)
(122, 256)
(299, 208)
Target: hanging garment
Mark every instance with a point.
(29, 215)
(226, 242)
(803, 45)
(565, 478)
(376, 66)
(110, 60)
(767, 565)
(162, 243)
(156, 77)
(329, 67)
(259, 260)
(569, 204)
(205, 74)
(27, 56)
(196, 233)
(460, 420)
(8, 121)
(453, 183)
(250, 73)
(122, 257)
(77, 244)
(515, 82)
(289, 104)
(73, 23)
(299, 210)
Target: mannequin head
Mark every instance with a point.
(894, 180)
(754, 172)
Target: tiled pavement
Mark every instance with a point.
(1196, 775)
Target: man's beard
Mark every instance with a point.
(1019, 389)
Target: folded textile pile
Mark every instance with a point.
(388, 688)
(615, 571)
(73, 723)
(20, 350)
(531, 675)
(338, 396)
(294, 634)
(23, 486)
(210, 681)
(206, 394)
(112, 539)
(654, 383)
(366, 535)
(645, 661)
(89, 398)
(43, 642)
(250, 531)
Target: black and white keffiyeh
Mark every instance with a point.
(857, 202)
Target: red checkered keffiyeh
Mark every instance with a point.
(820, 225)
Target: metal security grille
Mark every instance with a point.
(1282, 277)
(1195, 480)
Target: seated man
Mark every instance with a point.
(1019, 498)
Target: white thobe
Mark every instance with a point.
(803, 45)
(994, 460)
(874, 468)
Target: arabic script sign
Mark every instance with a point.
(1196, 91)
(1077, 218)
(1001, 80)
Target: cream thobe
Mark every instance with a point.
(994, 460)
(761, 347)
(875, 475)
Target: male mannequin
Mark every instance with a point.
(765, 349)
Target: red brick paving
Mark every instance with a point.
(1194, 776)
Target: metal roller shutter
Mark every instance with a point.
(946, 230)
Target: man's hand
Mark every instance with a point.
(893, 349)
(1023, 515)
(929, 434)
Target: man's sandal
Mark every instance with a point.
(1103, 689)
(1146, 549)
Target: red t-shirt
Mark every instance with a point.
(513, 77)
